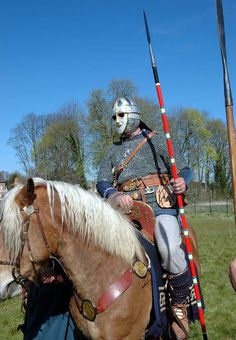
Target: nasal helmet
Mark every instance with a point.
(126, 114)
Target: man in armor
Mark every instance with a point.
(127, 174)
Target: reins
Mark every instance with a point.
(86, 307)
(29, 211)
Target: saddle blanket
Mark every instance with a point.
(161, 314)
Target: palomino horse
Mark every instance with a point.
(8, 287)
(96, 246)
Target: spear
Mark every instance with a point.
(175, 176)
(228, 100)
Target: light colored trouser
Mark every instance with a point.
(168, 238)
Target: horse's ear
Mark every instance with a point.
(26, 196)
(30, 186)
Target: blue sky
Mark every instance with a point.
(56, 51)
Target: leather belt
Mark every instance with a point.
(144, 182)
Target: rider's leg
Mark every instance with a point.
(168, 238)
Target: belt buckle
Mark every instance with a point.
(148, 190)
(133, 185)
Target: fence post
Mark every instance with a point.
(227, 206)
(210, 207)
(195, 205)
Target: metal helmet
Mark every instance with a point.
(125, 105)
(126, 114)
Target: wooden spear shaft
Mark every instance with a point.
(175, 175)
(228, 101)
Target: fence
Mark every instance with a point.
(222, 206)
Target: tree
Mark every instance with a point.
(24, 138)
(61, 148)
(149, 113)
(99, 125)
(121, 88)
(220, 161)
(13, 178)
(191, 138)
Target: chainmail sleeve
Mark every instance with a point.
(105, 175)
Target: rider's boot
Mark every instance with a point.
(179, 290)
(180, 326)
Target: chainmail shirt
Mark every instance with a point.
(151, 158)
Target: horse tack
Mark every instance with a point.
(87, 308)
(90, 311)
(29, 210)
(143, 216)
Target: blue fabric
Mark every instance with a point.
(158, 323)
(47, 316)
(186, 173)
(160, 315)
(58, 327)
(105, 188)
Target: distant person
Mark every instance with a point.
(232, 274)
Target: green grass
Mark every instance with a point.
(10, 317)
(217, 247)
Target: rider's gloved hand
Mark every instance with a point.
(179, 185)
(119, 200)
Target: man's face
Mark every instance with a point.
(120, 120)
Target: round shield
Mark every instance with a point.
(88, 310)
(140, 269)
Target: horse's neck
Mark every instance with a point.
(90, 269)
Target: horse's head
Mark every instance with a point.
(42, 219)
(29, 227)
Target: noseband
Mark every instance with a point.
(18, 277)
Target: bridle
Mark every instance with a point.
(86, 307)
(17, 276)
(29, 211)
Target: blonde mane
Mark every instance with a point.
(85, 213)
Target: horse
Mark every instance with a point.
(8, 287)
(96, 246)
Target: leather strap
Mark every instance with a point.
(143, 182)
(114, 291)
(148, 137)
(121, 167)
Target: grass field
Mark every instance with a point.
(217, 247)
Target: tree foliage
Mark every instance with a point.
(69, 144)
(220, 162)
(24, 138)
(52, 146)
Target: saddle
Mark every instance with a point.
(143, 218)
